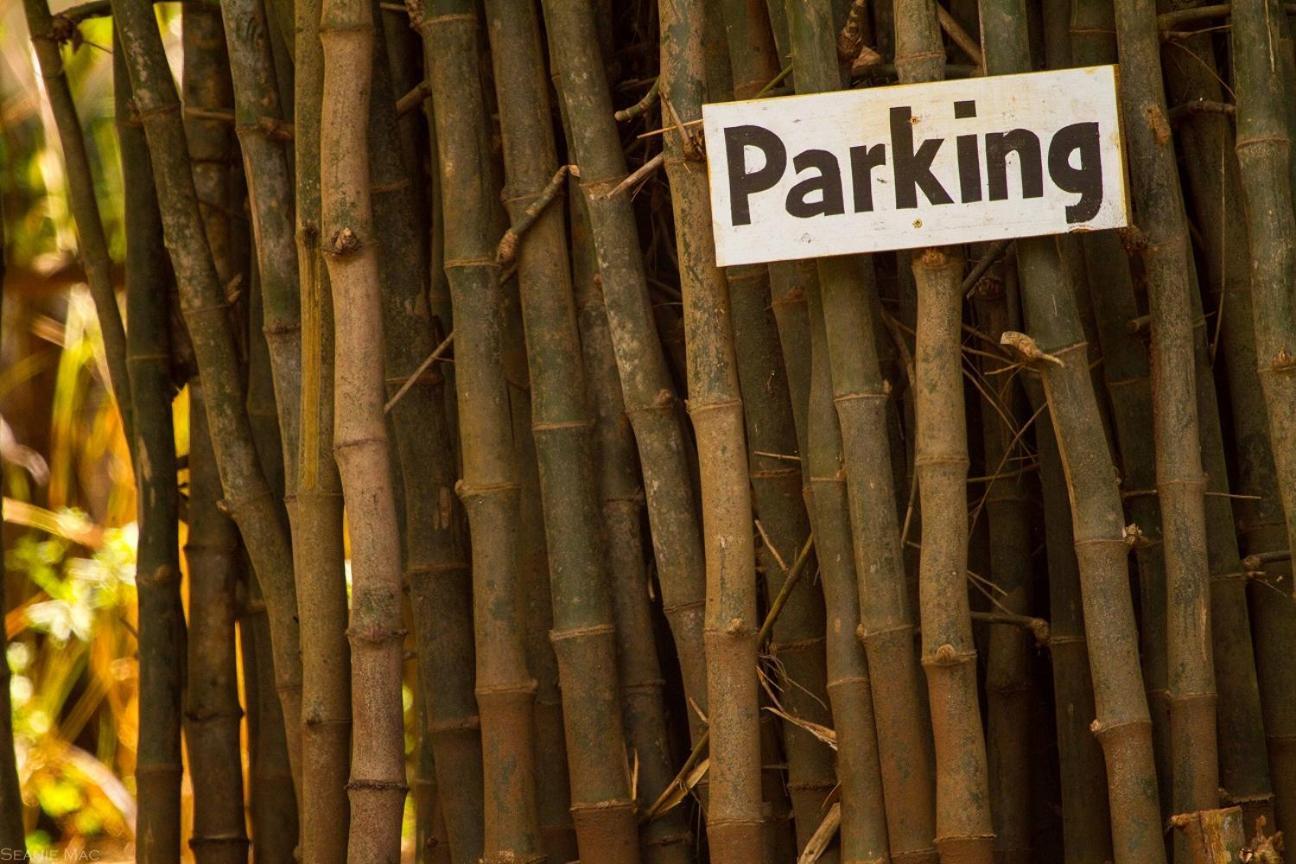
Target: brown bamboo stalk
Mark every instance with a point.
(92, 244)
(645, 380)
(13, 839)
(583, 635)
(715, 406)
(860, 396)
(161, 614)
(436, 566)
(319, 558)
(1180, 479)
(864, 825)
(963, 821)
(798, 641)
(212, 709)
(505, 692)
(204, 304)
(377, 785)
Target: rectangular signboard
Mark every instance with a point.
(915, 165)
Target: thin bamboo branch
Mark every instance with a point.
(91, 241)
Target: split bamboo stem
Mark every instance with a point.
(212, 710)
(1181, 482)
(666, 839)
(317, 511)
(92, 244)
(161, 614)
(204, 305)
(860, 396)
(436, 565)
(1263, 151)
(584, 635)
(864, 824)
(964, 831)
(798, 641)
(377, 785)
(715, 406)
(1264, 155)
(650, 398)
(489, 490)
(1207, 143)
(270, 196)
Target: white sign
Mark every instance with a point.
(915, 165)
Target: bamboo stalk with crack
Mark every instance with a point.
(319, 556)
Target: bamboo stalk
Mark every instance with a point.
(436, 566)
(1263, 150)
(377, 785)
(161, 614)
(798, 640)
(864, 824)
(1207, 142)
(583, 635)
(92, 245)
(13, 836)
(666, 839)
(715, 406)
(270, 196)
(505, 692)
(963, 820)
(1180, 479)
(645, 380)
(860, 397)
(203, 303)
(319, 557)
(212, 708)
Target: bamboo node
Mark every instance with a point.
(557, 636)
(948, 655)
(361, 784)
(197, 840)
(1134, 536)
(343, 242)
(1282, 361)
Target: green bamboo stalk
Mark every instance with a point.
(161, 614)
(963, 820)
(864, 824)
(583, 635)
(505, 693)
(203, 303)
(436, 566)
(13, 837)
(666, 839)
(319, 557)
(1180, 480)
(650, 399)
(1263, 150)
(257, 116)
(715, 406)
(1207, 143)
(798, 640)
(1264, 154)
(860, 396)
(1086, 829)
(377, 785)
(212, 708)
(91, 241)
